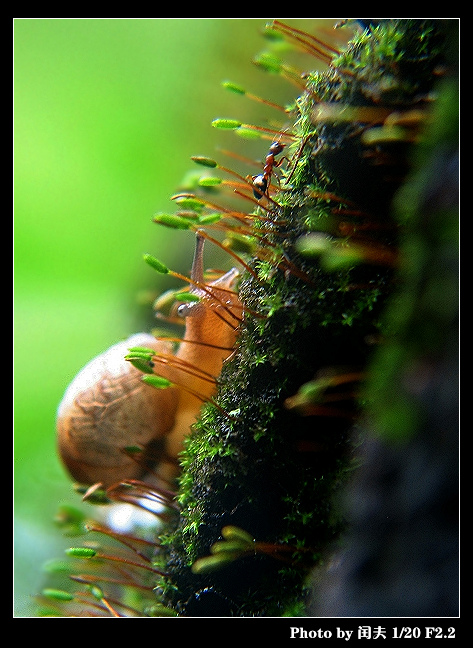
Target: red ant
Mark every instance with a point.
(261, 182)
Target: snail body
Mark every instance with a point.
(107, 407)
(209, 339)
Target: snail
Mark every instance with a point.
(107, 407)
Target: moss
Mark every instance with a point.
(263, 467)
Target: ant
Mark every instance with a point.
(261, 182)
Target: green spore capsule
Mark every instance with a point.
(235, 534)
(226, 124)
(213, 563)
(57, 594)
(234, 87)
(248, 133)
(210, 219)
(142, 364)
(210, 181)
(204, 161)
(96, 592)
(190, 202)
(187, 297)
(80, 552)
(173, 221)
(155, 264)
(156, 381)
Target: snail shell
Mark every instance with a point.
(107, 408)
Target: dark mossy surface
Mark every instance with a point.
(401, 555)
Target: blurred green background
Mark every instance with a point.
(107, 113)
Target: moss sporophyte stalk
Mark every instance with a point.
(268, 391)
